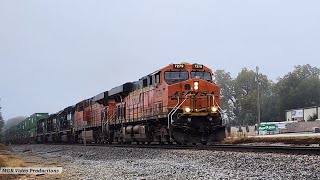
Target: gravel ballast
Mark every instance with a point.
(132, 163)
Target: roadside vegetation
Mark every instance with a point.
(9, 160)
(297, 89)
(285, 140)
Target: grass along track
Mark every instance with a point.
(7, 159)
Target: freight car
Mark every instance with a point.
(25, 131)
(178, 103)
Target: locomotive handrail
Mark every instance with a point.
(180, 106)
(216, 103)
(219, 108)
(174, 110)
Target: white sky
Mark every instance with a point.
(55, 53)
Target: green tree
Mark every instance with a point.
(1, 125)
(246, 94)
(226, 83)
(298, 89)
(239, 97)
(1, 122)
(269, 105)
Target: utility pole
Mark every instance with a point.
(258, 98)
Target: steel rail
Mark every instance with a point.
(301, 150)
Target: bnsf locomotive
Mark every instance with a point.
(179, 103)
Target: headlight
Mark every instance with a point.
(214, 109)
(196, 86)
(187, 110)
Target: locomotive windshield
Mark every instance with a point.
(172, 77)
(202, 75)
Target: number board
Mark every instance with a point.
(197, 66)
(178, 66)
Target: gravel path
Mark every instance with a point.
(131, 163)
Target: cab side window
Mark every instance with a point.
(158, 78)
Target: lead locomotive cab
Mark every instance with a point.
(178, 103)
(194, 100)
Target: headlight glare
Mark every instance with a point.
(187, 109)
(196, 86)
(214, 109)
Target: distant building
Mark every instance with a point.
(303, 114)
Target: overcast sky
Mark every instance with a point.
(55, 53)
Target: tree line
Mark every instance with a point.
(1, 126)
(297, 89)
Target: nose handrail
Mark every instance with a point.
(179, 106)
(174, 110)
(215, 103)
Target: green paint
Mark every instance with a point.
(267, 127)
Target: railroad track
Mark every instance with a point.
(220, 147)
(238, 148)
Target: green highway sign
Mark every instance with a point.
(267, 127)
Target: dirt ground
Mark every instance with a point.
(10, 158)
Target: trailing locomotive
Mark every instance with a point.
(178, 103)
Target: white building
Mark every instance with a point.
(302, 114)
